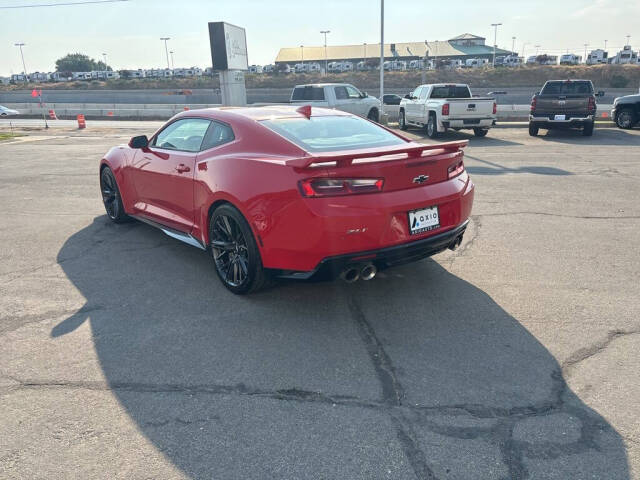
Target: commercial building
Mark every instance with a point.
(463, 47)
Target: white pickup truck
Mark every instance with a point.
(441, 106)
(341, 96)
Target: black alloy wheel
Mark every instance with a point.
(111, 196)
(235, 252)
(625, 119)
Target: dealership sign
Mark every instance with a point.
(228, 46)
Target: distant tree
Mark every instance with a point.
(78, 62)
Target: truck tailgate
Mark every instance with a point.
(470, 107)
(562, 104)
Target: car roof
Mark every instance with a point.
(267, 112)
(322, 85)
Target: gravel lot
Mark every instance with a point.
(515, 357)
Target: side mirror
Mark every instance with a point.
(408, 96)
(600, 93)
(139, 142)
(365, 94)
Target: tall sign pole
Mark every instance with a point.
(229, 58)
(381, 59)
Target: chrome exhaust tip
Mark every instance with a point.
(456, 243)
(368, 271)
(350, 274)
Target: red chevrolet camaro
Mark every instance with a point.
(291, 192)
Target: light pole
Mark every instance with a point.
(537, 47)
(381, 59)
(166, 49)
(605, 45)
(628, 37)
(324, 32)
(173, 65)
(302, 55)
(524, 45)
(104, 60)
(495, 40)
(364, 56)
(24, 68)
(513, 45)
(585, 52)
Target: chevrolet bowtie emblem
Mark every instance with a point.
(421, 179)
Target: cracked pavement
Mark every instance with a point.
(514, 357)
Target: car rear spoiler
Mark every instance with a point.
(346, 159)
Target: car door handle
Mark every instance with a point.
(182, 168)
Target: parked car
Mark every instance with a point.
(391, 99)
(626, 111)
(276, 191)
(341, 96)
(564, 104)
(441, 106)
(5, 112)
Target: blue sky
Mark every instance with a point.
(129, 32)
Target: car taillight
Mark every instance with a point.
(325, 187)
(495, 108)
(533, 104)
(445, 109)
(592, 104)
(456, 169)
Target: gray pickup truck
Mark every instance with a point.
(564, 104)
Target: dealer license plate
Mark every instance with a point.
(424, 220)
(560, 117)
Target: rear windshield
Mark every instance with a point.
(450, 91)
(567, 88)
(308, 93)
(329, 133)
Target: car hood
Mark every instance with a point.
(628, 99)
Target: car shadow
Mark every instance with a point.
(452, 136)
(243, 387)
(601, 136)
(494, 168)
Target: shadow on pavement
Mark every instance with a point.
(452, 136)
(417, 373)
(601, 136)
(493, 168)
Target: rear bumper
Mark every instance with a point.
(484, 122)
(331, 267)
(548, 119)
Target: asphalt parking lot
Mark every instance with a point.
(515, 357)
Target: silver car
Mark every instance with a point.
(5, 112)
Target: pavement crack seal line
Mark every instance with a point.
(548, 214)
(594, 349)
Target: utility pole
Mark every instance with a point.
(381, 60)
(495, 40)
(326, 64)
(24, 68)
(166, 50)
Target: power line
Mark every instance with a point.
(85, 2)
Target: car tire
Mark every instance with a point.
(432, 126)
(111, 197)
(533, 130)
(625, 119)
(587, 129)
(402, 121)
(234, 250)
(374, 115)
(480, 132)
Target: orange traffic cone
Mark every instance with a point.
(81, 123)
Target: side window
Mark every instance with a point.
(184, 135)
(308, 93)
(423, 93)
(218, 134)
(416, 92)
(352, 92)
(341, 93)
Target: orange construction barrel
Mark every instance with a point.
(81, 123)
(52, 115)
